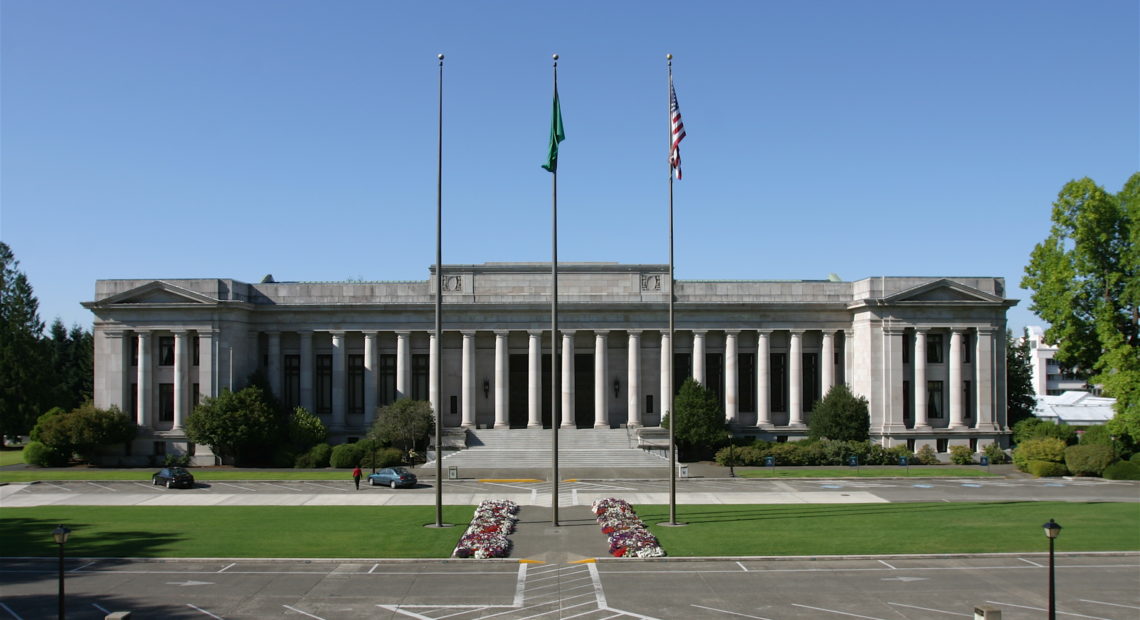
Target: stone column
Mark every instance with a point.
(181, 378)
(306, 379)
(502, 378)
(827, 361)
(763, 389)
(601, 382)
(338, 381)
(433, 377)
(403, 365)
(920, 405)
(796, 376)
(370, 380)
(568, 413)
(207, 363)
(633, 380)
(534, 379)
(955, 371)
(893, 420)
(119, 380)
(984, 381)
(699, 355)
(467, 407)
(143, 387)
(666, 375)
(731, 378)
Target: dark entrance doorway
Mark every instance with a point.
(519, 414)
(584, 390)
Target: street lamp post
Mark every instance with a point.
(1052, 530)
(60, 535)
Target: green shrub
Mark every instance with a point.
(36, 453)
(1049, 449)
(996, 455)
(1089, 460)
(1046, 469)
(176, 460)
(316, 458)
(1097, 435)
(926, 456)
(961, 455)
(1135, 458)
(346, 455)
(389, 457)
(1122, 470)
(1036, 428)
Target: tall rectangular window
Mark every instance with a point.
(195, 350)
(386, 377)
(134, 350)
(421, 369)
(292, 381)
(166, 350)
(965, 350)
(934, 348)
(967, 399)
(810, 380)
(906, 399)
(195, 396)
(746, 382)
(682, 369)
(648, 403)
(906, 348)
(714, 376)
(778, 381)
(324, 384)
(165, 402)
(934, 405)
(355, 384)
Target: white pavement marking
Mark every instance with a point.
(574, 497)
(101, 486)
(1085, 600)
(520, 585)
(833, 611)
(887, 565)
(230, 565)
(742, 567)
(302, 612)
(204, 611)
(79, 568)
(725, 611)
(230, 484)
(101, 608)
(1032, 563)
(373, 568)
(10, 612)
(1059, 613)
(939, 611)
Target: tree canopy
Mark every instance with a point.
(1085, 279)
(840, 416)
(83, 430)
(404, 424)
(242, 426)
(1020, 396)
(23, 357)
(699, 418)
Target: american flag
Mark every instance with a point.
(678, 131)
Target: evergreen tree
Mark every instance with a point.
(840, 416)
(23, 356)
(700, 426)
(1020, 396)
(71, 354)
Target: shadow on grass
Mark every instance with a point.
(818, 511)
(31, 537)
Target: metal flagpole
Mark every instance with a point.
(438, 352)
(554, 395)
(669, 397)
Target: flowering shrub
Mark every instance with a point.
(486, 537)
(625, 530)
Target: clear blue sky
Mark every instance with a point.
(235, 139)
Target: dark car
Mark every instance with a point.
(173, 477)
(393, 477)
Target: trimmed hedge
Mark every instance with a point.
(1122, 470)
(1089, 460)
(961, 455)
(1046, 469)
(1048, 449)
(811, 453)
(40, 455)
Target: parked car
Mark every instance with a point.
(393, 477)
(173, 477)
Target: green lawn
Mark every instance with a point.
(839, 529)
(11, 456)
(936, 471)
(397, 531)
(234, 531)
(144, 474)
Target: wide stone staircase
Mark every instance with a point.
(530, 448)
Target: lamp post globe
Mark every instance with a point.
(1052, 531)
(60, 535)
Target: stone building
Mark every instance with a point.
(927, 353)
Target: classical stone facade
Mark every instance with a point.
(927, 353)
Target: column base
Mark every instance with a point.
(501, 426)
(534, 425)
(959, 427)
(921, 427)
(988, 427)
(601, 426)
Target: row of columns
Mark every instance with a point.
(983, 366)
(144, 373)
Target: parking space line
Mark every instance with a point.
(230, 565)
(938, 611)
(10, 612)
(742, 567)
(204, 611)
(1031, 562)
(104, 610)
(725, 611)
(833, 611)
(302, 612)
(1085, 600)
(1059, 612)
(373, 568)
(230, 484)
(79, 568)
(887, 565)
(100, 486)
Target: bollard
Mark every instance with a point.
(986, 612)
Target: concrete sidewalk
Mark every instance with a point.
(537, 539)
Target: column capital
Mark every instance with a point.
(180, 332)
(502, 332)
(601, 332)
(699, 332)
(335, 332)
(403, 332)
(633, 332)
(764, 333)
(567, 332)
(535, 332)
(732, 332)
(986, 329)
(796, 331)
(468, 333)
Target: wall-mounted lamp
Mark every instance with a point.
(617, 388)
(486, 388)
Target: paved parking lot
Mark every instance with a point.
(888, 587)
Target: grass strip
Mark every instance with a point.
(927, 471)
(856, 529)
(11, 456)
(234, 531)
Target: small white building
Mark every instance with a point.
(1049, 377)
(1074, 408)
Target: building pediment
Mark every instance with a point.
(943, 291)
(156, 292)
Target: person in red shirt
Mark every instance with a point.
(356, 473)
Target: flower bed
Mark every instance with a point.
(625, 530)
(486, 537)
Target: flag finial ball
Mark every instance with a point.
(439, 56)
(668, 57)
(555, 56)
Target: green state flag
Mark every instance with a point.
(557, 134)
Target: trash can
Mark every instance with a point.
(453, 472)
(682, 471)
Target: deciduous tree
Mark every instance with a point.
(840, 416)
(240, 426)
(405, 424)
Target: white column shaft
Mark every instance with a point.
(534, 380)
(763, 390)
(666, 375)
(601, 382)
(731, 378)
(433, 378)
(633, 380)
(467, 407)
(955, 371)
(370, 391)
(827, 362)
(143, 387)
(502, 376)
(403, 365)
(181, 375)
(568, 417)
(920, 419)
(339, 377)
(699, 356)
(796, 374)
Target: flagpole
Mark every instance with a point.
(438, 352)
(554, 392)
(669, 398)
